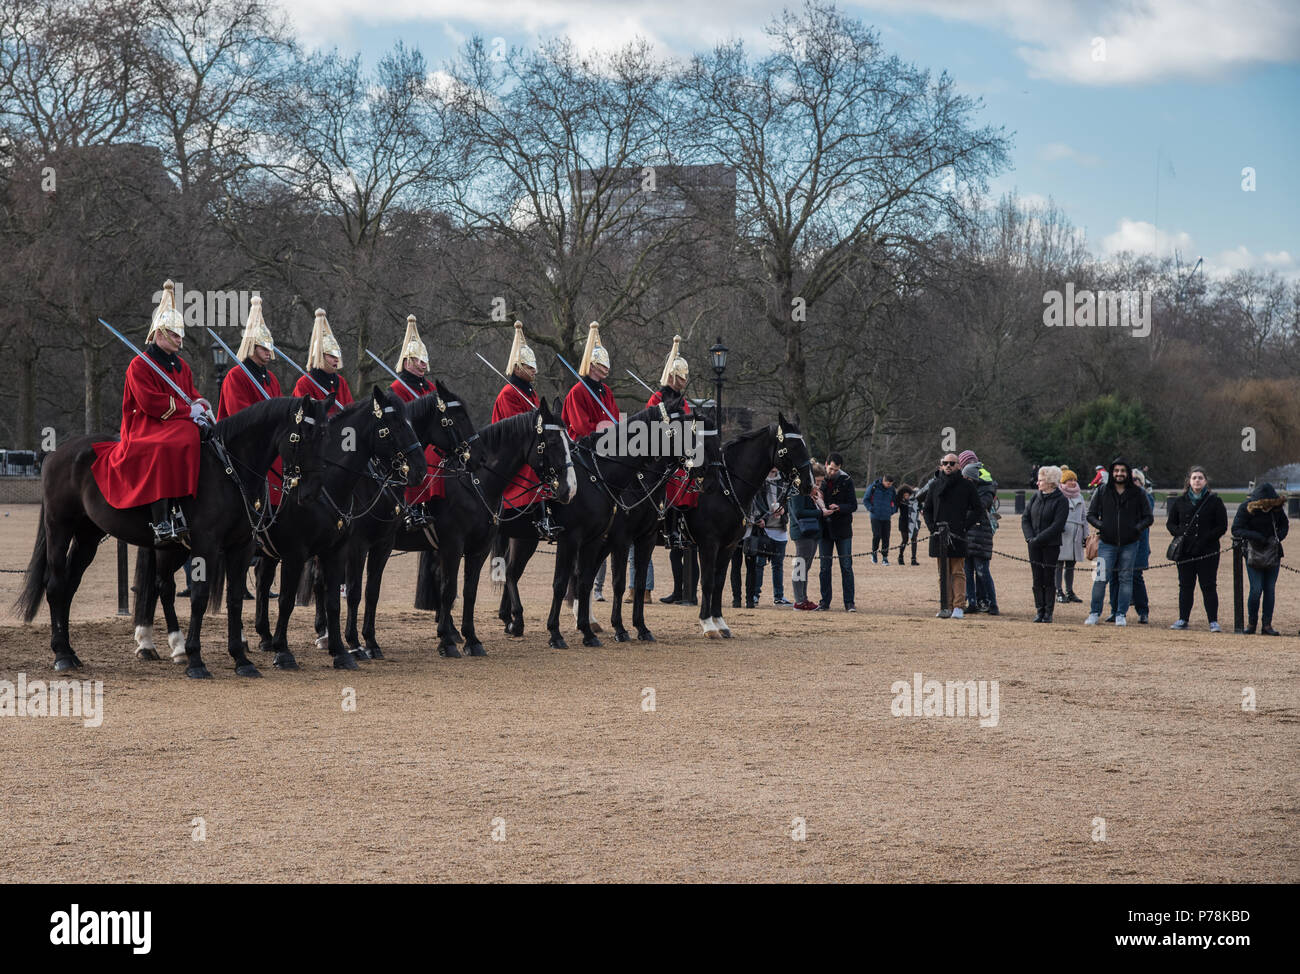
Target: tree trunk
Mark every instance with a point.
(27, 439)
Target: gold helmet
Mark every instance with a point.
(676, 365)
(256, 332)
(412, 347)
(594, 352)
(520, 353)
(323, 343)
(165, 316)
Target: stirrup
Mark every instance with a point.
(416, 518)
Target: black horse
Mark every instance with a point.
(468, 518)
(439, 420)
(718, 523)
(601, 479)
(75, 517)
(317, 519)
(637, 526)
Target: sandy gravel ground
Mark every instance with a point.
(542, 765)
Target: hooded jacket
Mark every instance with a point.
(979, 538)
(1120, 518)
(880, 501)
(1263, 513)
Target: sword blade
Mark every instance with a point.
(256, 385)
(384, 365)
(150, 362)
(507, 381)
(584, 385)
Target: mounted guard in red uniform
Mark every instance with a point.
(410, 384)
(581, 413)
(324, 366)
(518, 396)
(156, 460)
(681, 491)
(256, 350)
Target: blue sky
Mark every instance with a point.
(1205, 87)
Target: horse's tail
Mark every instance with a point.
(500, 547)
(28, 602)
(426, 582)
(216, 583)
(146, 585)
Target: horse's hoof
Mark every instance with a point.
(323, 642)
(711, 633)
(646, 636)
(284, 661)
(360, 655)
(267, 648)
(724, 633)
(515, 628)
(475, 649)
(64, 663)
(198, 673)
(591, 641)
(557, 642)
(248, 669)
(147, 653)
(596, 626)
(450, 651)
(375, 652)
(621, 636)
(344, 661)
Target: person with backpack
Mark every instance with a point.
(909, 522)
(880, 500)
(1043, 524)
(1072, 539)
(1197, 520)
(980, 593)
(1262, 523)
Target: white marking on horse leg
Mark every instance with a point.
(710, 628)
(144, 637)
(722, 626)
(176, 640)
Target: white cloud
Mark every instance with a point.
(1145, 41)
(1242, 258)
(1055, 151)
(1141, 237)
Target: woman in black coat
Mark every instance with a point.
(1258, 521)
(1198, 516)
(1043, 524)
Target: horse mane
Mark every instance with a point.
(650, 412)
(746, 437)
(234, 425)
(494, 433)
(353, 409)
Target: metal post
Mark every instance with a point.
(123, 586)
(1238, 602)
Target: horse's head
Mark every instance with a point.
(706, 444)
(792, 457)
(441, 420)
(302, 440)
(551, 460)
(389, 438)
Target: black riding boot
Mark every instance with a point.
(1038, 603)
(168, 522)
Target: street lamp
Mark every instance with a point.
(219, 358)
(719, 354)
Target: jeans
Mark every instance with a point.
(979, 582)
(750, 563)
(777, 561)
(805, 549)
(829, 548)
(1262, 581)
(1206, 572)
(1114, 561)
(880, 535)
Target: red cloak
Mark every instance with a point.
(306, 387)
(238, 392)
(511, 401)
(679, 493)
(158, 454)
(581, 414)
(433, 485)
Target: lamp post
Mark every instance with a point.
(719, 355)
(219, 358)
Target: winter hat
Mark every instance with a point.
(971, 471)
(966, 457)
(1068, 475)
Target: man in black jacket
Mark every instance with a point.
(840, 502)
(1120, 512)
(953, 502)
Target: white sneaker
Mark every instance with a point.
(1121, 621)
(1214, 627)
(1091, 620)
(958, 614)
